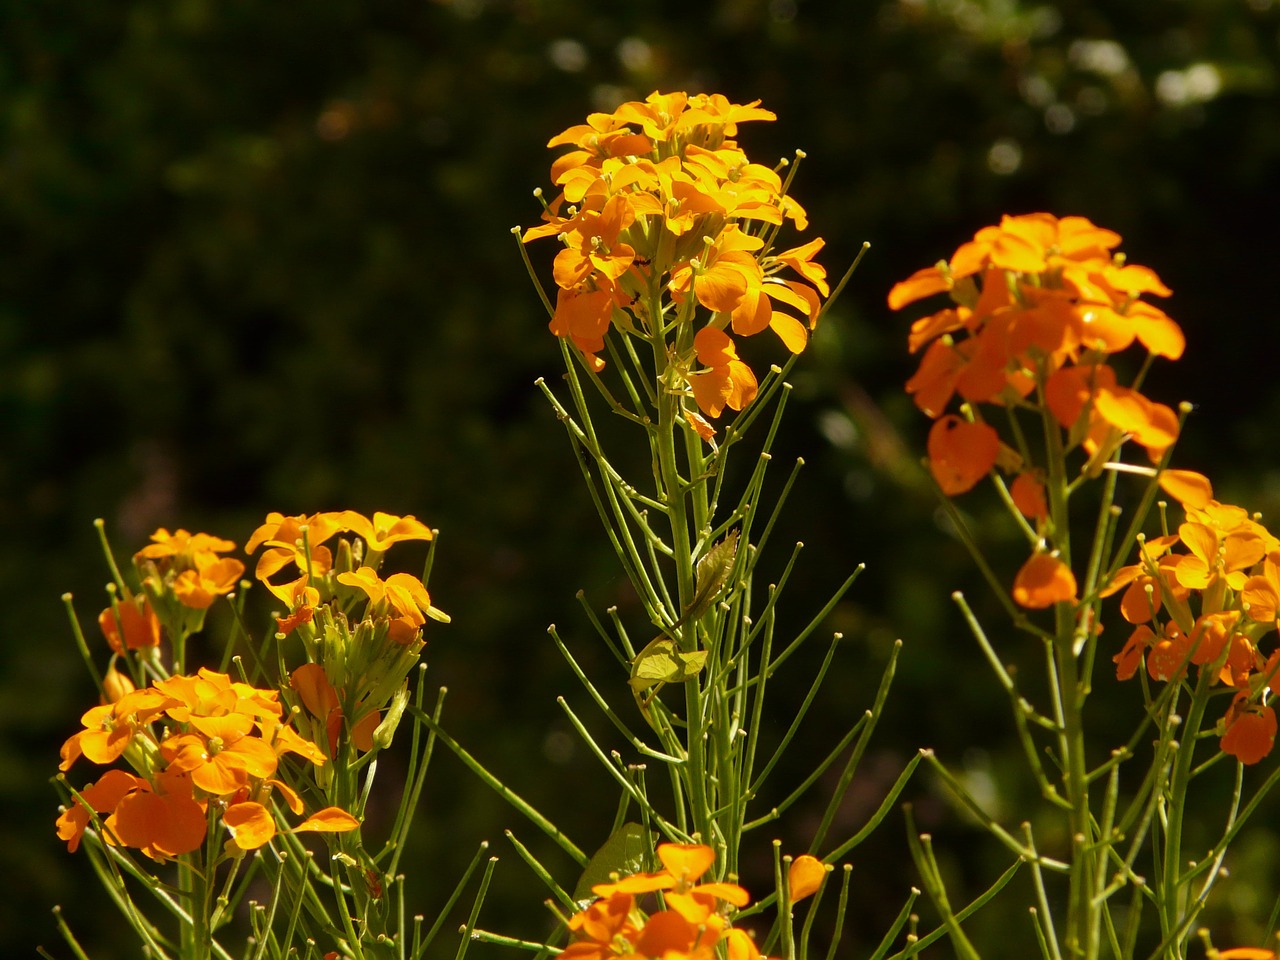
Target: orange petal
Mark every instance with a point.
(923, 283)
(1043, 581)
(1187, 487)
(961, 453)
(251, 825)
(1250, 734)
(686, 861)
(328, 820)
(1028, 496)
(805, 876)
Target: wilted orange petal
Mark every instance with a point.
(362, 732)
(1043, 581)
(314, 689)
(1129, 659)
(805, 876)
(961, 453)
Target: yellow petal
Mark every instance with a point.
(328, 820)
(805, 876)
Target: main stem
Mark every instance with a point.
(675, 494)
(1083, 917)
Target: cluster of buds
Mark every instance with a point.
(1208, 595)
(1040, 304)
(695, 921)
(659, 212)
(203, 749)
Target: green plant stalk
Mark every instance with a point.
(1083, 929)
(672, 492)
(1174, 902)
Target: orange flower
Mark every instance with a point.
(385, 529)
(655, 197)
(1169, 655)
(961, 453)
(727, 381)
(198, 588)
(100, 797)
(400, 597)
(1043, 581)
(222, 757)
(162, 823)
(110, 728)
(184, 550)
(600, 928)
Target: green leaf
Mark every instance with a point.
(622, 854)
(713, 573)
(661, 662)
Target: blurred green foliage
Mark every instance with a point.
(257, 256)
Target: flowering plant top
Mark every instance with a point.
(659, 212)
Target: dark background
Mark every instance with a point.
(257, 256)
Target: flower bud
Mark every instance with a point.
(395, 710)
(116, 685)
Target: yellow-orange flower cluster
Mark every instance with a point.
(297, 545)
(657, 201)
(693, 925)
(188, 563)
(205, 749)
(1208, 595)
(1039, 304)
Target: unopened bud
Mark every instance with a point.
(116, 685)
(395, 710)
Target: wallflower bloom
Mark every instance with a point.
(188, 563)
(692, 926)
(726, 381)
(657, 196)
(1044, 301)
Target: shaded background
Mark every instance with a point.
(258, 257)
